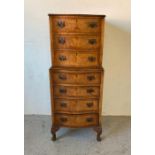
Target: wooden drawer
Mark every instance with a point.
(76, 106)
(78, 25)
(63, 24)
(76, 120)
(76, 59)
(83, 42)
(76, 91)
(76, 77)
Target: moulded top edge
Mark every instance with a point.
(77, 68)
(95, 15)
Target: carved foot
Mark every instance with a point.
(54, 129)
(53, 137)
(98, 138)
(98, 129)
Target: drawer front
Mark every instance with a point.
(88, 91)
(61, 24)
(83, 25)
(88, 59)
(76, 120)
(62, 91)
(64, 59)
(75, 91)
(71, 106)
(89, 25)
(76, 78)
(76, 59)
(82, 42)
(89, 78)
(61, 77)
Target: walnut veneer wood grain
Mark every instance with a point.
(76, 24)
(76, 91)
(76, 41)
(76, 59)
(76, 106)
(76, 76)
(84, 120)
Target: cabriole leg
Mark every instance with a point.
(54, 129)
(98, 129)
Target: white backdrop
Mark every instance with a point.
(116, 61)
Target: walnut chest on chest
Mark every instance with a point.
(76, 75)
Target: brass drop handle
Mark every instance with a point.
(63, 104)
(61, 40)
(61, 24)
(92, 24)
(63, 119)
(62, 90)
(62, 58)
(89, 119)
(62, 77)
(92, 41)
(91, 59)
(89, 104)
(90, 90)
(91, 77)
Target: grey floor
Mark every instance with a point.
(115, 138)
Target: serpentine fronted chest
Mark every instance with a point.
(76, 75)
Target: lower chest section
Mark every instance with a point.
(76, 95)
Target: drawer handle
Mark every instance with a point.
(92, 24)
(62, 104)
(62, 77)
(62, 119)
(91, 59)
(61, 24)
(62, 90)
(90, 119)
(90, 90)
(89, 104)
(62, 58)
(90, 78)
(92, 41)
(62, 40)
